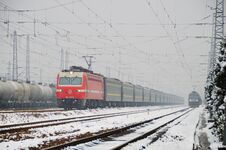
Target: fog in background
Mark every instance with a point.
(161, 44)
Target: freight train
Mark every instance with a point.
(15, 94)
(194, 99)
(81, 88)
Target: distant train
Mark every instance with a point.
(81, 88)
(25, 95)
(194, 99)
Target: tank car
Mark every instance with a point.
(194, 99)
(25, 95)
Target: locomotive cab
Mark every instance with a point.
(77, 86)
(69, 88)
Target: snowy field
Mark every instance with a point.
(38, 136)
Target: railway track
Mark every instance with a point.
(117, 132)
(30, 125)
(149, 132)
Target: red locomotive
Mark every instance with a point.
(79, 87)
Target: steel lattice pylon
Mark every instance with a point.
(217, 35)
(218, 27)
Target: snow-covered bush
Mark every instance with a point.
(215, 92)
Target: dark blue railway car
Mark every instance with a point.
(194, 99)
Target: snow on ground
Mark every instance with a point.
(205, 139)
(116, 141)
(74, 129)
(23, 117)
(178, 136)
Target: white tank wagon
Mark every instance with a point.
(24, 95)
(46, 92)
(6, 90)
(18, 91)
(53, 96)
(27, 92)
(35, 93)
(1, 89)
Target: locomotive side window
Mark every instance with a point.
(64, 80)
(76, 81)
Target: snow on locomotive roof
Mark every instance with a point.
(80, 69)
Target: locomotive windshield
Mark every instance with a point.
(64, 81)
(76, 81)
(70, 81)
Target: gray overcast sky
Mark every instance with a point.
(148, 42)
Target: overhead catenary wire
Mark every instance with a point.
(168, 34)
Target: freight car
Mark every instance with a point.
(81, 88)
(25, 95)
(194, 99)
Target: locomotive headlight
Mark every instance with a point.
(71, 72)
(59, 90)
(81, 90)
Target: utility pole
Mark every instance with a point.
(15, 63)
(9, 71)
(28, 60)
(40, 75)
(88, 59)
(62, 59)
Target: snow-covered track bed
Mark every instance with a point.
(44, 137)
(30, 125)
(117, 132)
(150, 132)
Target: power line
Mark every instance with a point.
(112, 27)
(168, 34)
(42, 9)
(116, 23)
